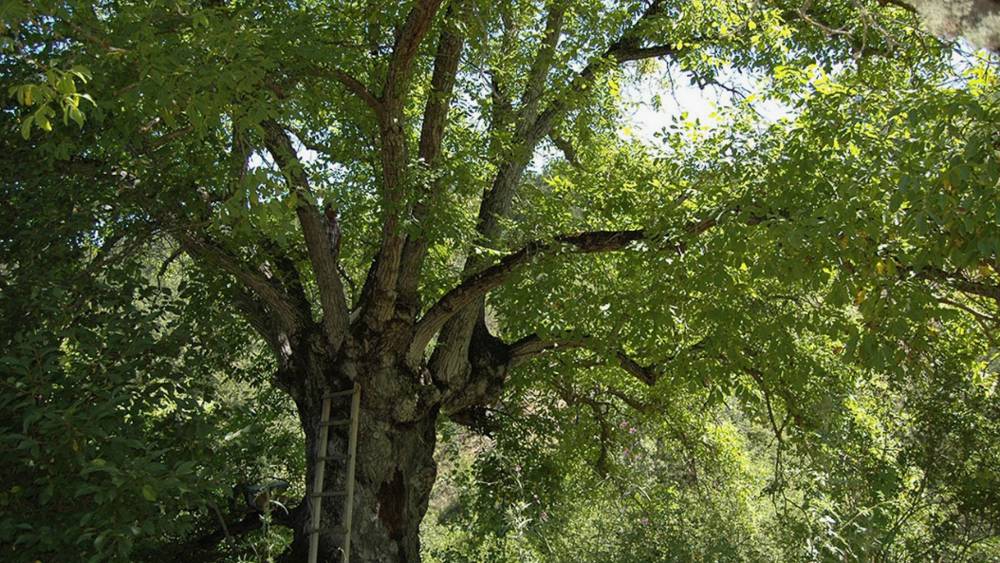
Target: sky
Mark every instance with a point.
(698, 103)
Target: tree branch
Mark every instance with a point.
(357, 88)
(532, 345)
(404, 52)
(540, 67)
(204, 250)
(497, 200)
(957, 281)
(479, 284)
(476, 286)
(380, 289)
(443, 80)
(322, 233)
(564, 145)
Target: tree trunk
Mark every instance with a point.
(394, 473)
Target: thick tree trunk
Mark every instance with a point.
(394, 473)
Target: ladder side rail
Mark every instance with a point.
(319, 474)
(352, 449)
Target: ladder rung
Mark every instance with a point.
(334, 457)
(335, 394)
(337, 493)
(338, 422)
(334, 529)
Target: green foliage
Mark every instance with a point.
(817, 292)
(120, 413)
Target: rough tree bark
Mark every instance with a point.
(395, 465)
(394, 474)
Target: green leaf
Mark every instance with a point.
(76, 115)
(26, 126)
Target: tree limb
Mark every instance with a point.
(957, 281)
(533, 345)
(479, 284)
(206, 251)
(443, 80)
(380, 290)
(404, 52)
(354, 86)
(497, 200)
(476, 286)
(322, 233)
(539, 71)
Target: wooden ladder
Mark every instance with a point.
(318, 493)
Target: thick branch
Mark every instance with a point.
(404, 52)
(446, 61)
(539, 71)
(533, 345)
(322, 234)
(497, 200)
(431, 136)
(530, 131)
(479, 284)
(205, 251)
(960, 283)
(380, 287)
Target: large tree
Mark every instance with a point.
(423, 197)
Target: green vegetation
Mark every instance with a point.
(592, 320)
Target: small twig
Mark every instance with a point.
(170, 260)
(803, 9)
(222, 521)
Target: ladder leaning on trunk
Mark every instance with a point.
(317, 494)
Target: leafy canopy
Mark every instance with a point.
(804, 312)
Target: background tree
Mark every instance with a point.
(434, 199)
